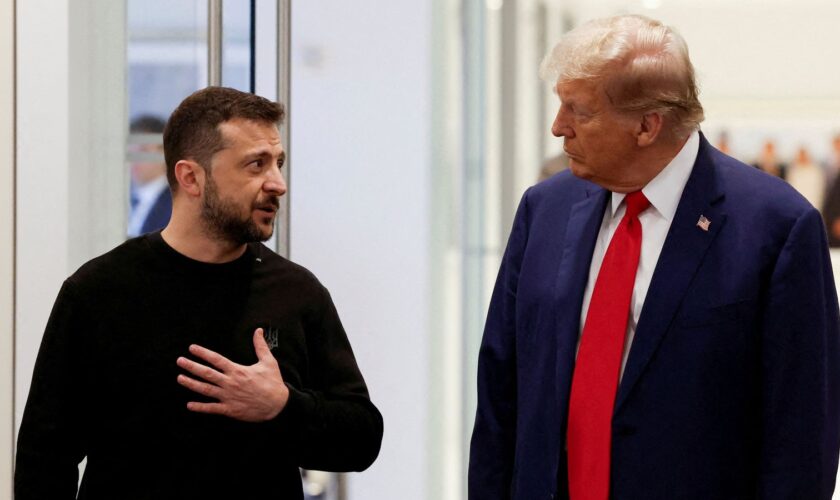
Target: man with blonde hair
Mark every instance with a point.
(665, 323)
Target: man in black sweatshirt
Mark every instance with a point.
(195, 363)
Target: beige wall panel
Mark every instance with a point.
(7, 157)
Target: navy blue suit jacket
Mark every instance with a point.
(159, 214)
(731, 389)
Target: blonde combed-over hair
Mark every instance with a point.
(641, 64)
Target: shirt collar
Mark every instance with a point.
(665, 190)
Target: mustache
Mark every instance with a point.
(271, 203)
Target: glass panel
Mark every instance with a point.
(167, 54)
(167, 61)
(237, 45)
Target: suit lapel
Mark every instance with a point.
(683, 251)
(585, 219)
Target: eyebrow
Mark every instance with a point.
(264, 153)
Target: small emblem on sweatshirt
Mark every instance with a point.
(704, 223)
(271, 336)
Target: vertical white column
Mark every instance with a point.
(360, 207)
(43, 160)
(97, 128)
(7, 242)
(446, 474)
(71, 181)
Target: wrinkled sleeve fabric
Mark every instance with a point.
(335, 424)
(52, 442)
(494, 433)
(800, 370)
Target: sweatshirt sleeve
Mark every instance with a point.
(51, 442)
(336, 425)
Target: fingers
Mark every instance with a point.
(260, 345)
(252, 393)
(214, 358)
(202, 371)
(214, 408)
(203, 388)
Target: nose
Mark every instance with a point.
(275, 185)
(561, 126)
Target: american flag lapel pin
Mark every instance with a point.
(704, 223)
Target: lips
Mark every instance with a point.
(271, 210)
(269, 205)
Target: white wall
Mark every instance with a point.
(42, 175)
(360, 192)
(7, 75)
(70, 140)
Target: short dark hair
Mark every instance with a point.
(192, 131)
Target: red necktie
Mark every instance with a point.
(596, 374)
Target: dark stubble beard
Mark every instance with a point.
(222, 220)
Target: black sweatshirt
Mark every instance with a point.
(105, 384)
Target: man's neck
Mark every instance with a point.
(191, 240)
(650, 163)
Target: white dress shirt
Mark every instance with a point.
(664, 193)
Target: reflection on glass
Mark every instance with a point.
(167, 61)
(151, 201)
(167, 54)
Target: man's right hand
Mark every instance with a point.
(254, 393)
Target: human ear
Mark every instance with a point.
(648, 128)
(190, 177)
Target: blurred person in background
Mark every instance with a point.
(831, 206)
(151, 201)
(807, 177)
(723, 143)
(832, 162)
(664, 323)
(768, 160)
